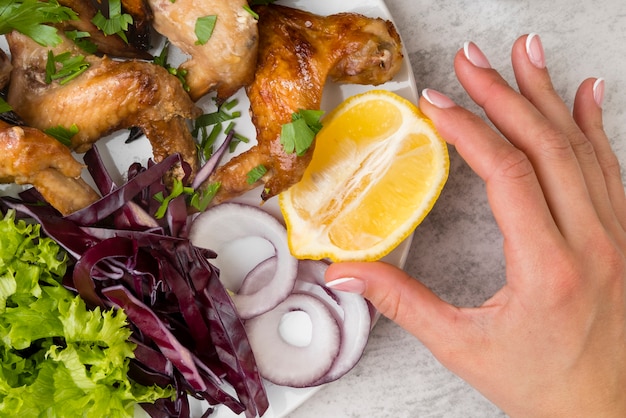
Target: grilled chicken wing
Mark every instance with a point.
(108, 96)
(28, 156)
(225, 63)
(298, 51)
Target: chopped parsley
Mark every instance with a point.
(255, 174)
(81, 39)
(62, 134)
(31, 17)
(161, 60)
(204, 28)
(117, 22)
(64, 67)
(298, 135)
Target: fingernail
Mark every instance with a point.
(475, 55)
(437, 99)
(347, 284)
(534, 50)
(598, 91)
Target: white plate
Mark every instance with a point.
(119, 156)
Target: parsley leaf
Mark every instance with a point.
(30, 17)
(255, 174)
(117, 23)
(298, 135)
(62, 134)
(81, 39)
(204, 28)
(68, 68)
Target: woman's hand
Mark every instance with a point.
(552, 341)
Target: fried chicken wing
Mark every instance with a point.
(28, 156)
(225, 63)
(108, 96)
(298, 51)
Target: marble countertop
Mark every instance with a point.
(457, 251)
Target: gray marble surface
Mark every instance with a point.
(457, 250)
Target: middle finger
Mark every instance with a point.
(535, 84)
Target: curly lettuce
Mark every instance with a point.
(57, 357)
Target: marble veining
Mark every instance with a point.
(457, 251)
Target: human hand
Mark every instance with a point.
(552, 341)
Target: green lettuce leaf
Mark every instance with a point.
(57, 357)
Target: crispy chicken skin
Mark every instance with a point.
(28, 156)
(298, 51)
(226, 62)
(110, 95)
(5, 69)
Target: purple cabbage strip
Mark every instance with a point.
(153, 328)
(98, 171)
(209, 167)
(113, 201)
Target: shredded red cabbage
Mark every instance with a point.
(186, 328)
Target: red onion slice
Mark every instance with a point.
(283, 354)
(261, 290)
(224, 229)
(351, 311)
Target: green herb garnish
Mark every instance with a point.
(298, 135)
(204, 28)
(64, 67)
(82, 40)
(201, 198)
(161, 60)
(252, 12)
(255, 174)
(62, 134)
(31, 17)
(117, 22)
(206, 138)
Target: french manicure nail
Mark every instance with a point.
(598, 91)
(347, 284)
(475, 55)
(437, 99)
(534, 50)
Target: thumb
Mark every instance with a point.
(399, 297)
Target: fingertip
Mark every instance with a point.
(437, 99)
(588, 103)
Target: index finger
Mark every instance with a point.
(513, 189)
